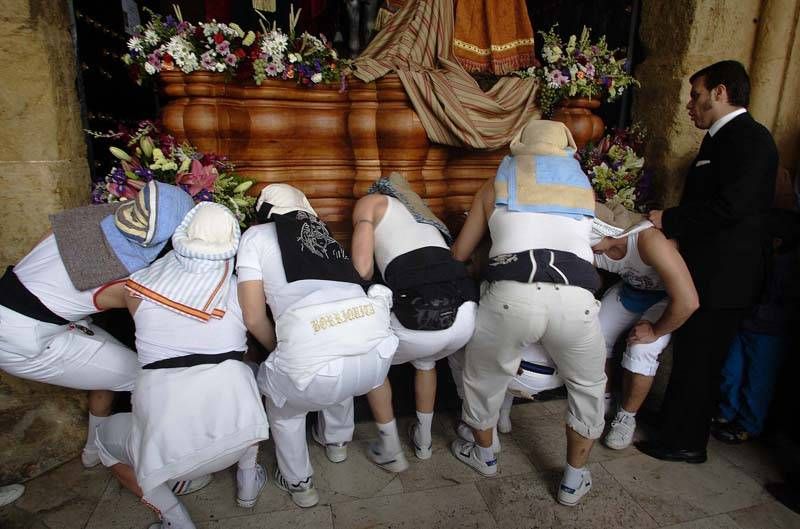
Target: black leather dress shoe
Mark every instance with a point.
(665, 453)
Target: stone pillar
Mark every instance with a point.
(679, 38)
(43, 169)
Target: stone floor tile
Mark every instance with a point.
(678, 492)
(459, 506)
(355, 478)
(12, 517)
(720, 521)
(529, 501)
(769, 515)
(542, 438)
(443, 469)
(65, 497)
(317, 518)
(754, 458)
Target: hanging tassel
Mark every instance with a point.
(265, 5)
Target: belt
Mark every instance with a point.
(194, 360)
(16, 296)
(535, 368)
(544, 266)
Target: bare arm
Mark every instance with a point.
(663, 255)
(111, 296)
(254, 311)
(477, 222)
(363, 244)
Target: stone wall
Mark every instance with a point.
(43, 169)
(681, 37)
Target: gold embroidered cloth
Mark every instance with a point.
(493, 36)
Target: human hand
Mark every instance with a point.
(655, 217)
(642, 332)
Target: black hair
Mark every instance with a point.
(731, 74)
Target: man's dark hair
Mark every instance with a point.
(731, 74)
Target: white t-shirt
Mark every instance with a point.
(259, 259)
(42, 272)
(514, 231)
(162, 333)
(398, 233)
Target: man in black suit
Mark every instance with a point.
(720, 225)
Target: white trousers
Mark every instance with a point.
(615, 319)
(424, 348)
(564, 319)
(65, 355)
(330, 392)
(113, 441)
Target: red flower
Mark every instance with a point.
(239, 53)
(167, 61)
(198, 178)
(219, 37)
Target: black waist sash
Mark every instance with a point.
(428, 287)
(544, 266)
(15, 296)
(194, 360)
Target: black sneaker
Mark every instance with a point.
(731, 433)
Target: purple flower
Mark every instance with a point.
(223, 47)
(144, 173)
(154, 59)
(230, 59)
(170, 21)
(204, 195)
(271, 69)
(207, 62)
(118, 176)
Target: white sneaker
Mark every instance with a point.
(248, 491)
(620, 436)
(90, 457)
(335, 452)
(303, 493)
(10, 493)
(182, 487)
(422, 452)
(571, 497)
(390, 462)
(504, 422)
(465, 433)
(467, 453)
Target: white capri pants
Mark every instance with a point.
(424, 348)
(65, 355)
(330, 392)
(564, 319)
(640, 358)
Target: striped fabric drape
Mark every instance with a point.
(417, 45)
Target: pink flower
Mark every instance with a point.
(198, 178)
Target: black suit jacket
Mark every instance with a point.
(720, 223)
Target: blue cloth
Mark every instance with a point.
(748, 379)
(550, 170)
(638, 300)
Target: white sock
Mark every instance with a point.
(486, 454)
(424, 430)
(388, 437)
(626, 413)
(572, 476)
(161, 498)
(91, 437)
(248, 459)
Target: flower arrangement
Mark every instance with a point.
(150, 154)
(615, 166)
(577, 68)
(172, 44)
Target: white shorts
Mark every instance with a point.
(424, 348)
(615, 319)
(65, 355)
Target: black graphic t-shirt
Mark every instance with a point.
(308, 250)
